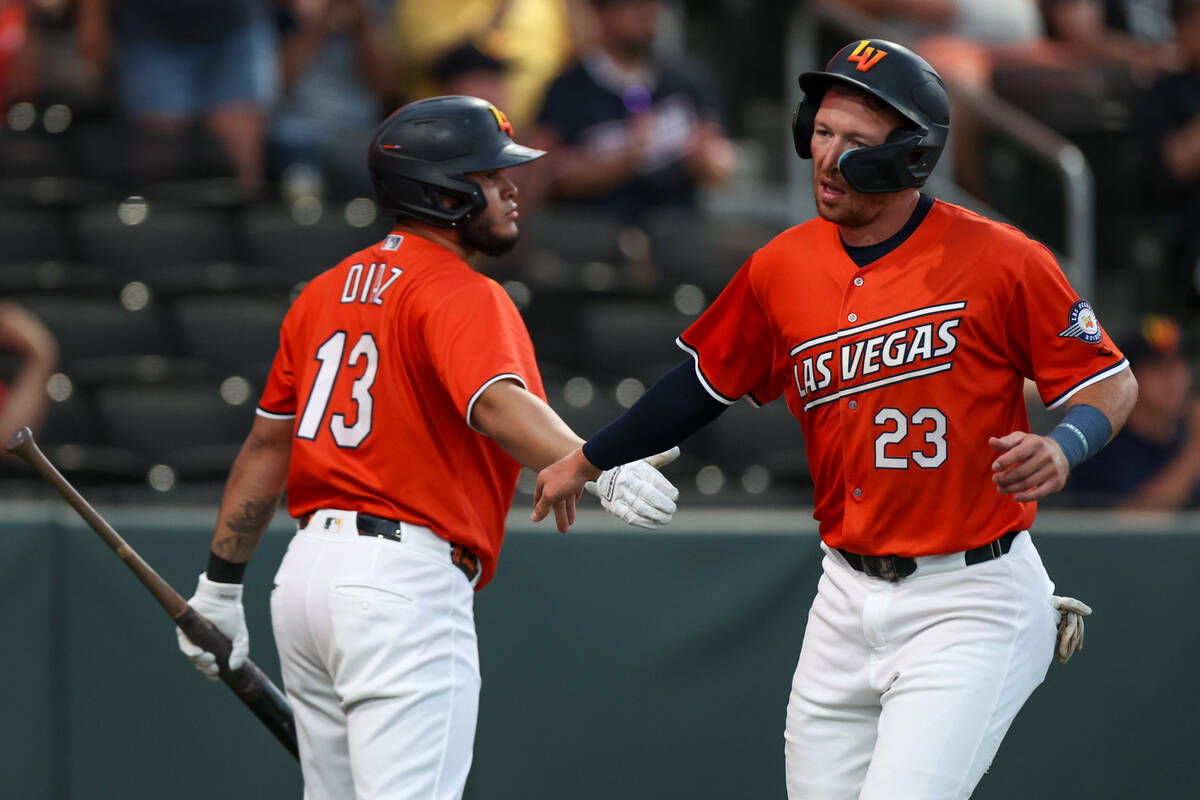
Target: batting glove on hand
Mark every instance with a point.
(637, 493)
(220, 604)
(1070, 626)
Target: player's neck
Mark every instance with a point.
(446, 237)
(890, 220)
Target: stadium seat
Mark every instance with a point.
(34, 234)
(124, 154)
(31, 154)
(89, 466)
(70, 419)
(164, 423)
(586, 407)
(57, 277)
(632, 338)
(274, 238)
(237, 334)
(704, 251)
(211, 192)
(92, 327)
(147, 370)
(215, 277)
(136, 236)
(576, 237)
(57, 191)
(769, 437)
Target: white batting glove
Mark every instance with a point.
(637, 493)
(1070, 626)
(220, 604)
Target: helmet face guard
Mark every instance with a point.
(421, 155)
(901, 80)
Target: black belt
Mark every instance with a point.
(370, 525)
(893, 568)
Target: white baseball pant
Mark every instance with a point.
(903, 691)
(378, 652)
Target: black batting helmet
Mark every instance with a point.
(421, 154)
(900, 79)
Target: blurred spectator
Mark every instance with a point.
(533, 37)
(1168, 119)
(965, 41)
(465, 69)
(1154, 462)
(338, 73)
(1145, 20)
(985, 21)
(176, 61)
(18, 52)
(24, 401)
(1082, 30)
(636, 131)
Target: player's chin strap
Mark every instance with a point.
(1070, 626)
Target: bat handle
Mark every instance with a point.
(248, 682)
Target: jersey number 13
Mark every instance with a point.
(330, 356)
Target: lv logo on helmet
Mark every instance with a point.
(503, 122)
(865, 56)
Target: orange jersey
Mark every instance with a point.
(899, 371)
(380, 361)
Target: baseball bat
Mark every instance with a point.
(248, 682)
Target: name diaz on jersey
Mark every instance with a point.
(901, 347)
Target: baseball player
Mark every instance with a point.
(402, 402)
(900, 329)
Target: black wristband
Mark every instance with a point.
(222, 571)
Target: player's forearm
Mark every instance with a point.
(251, 495)
(1114, 397)
(523, 425)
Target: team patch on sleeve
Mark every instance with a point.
(1082, 324)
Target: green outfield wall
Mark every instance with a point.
(616, 665)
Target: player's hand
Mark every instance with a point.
(220, 604)
(1070, 626)
(1029, 467)
(559, 487)
(638, 493)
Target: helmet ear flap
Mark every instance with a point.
(883, 168)
(803, 120)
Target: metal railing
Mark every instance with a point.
(1064, 160)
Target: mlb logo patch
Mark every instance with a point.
(392, 241)
(1082, 324)
(333, 524)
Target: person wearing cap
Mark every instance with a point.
(1153, 464)
(632, 131)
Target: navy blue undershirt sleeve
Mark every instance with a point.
(671, 410)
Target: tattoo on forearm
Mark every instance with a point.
(247, 526)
